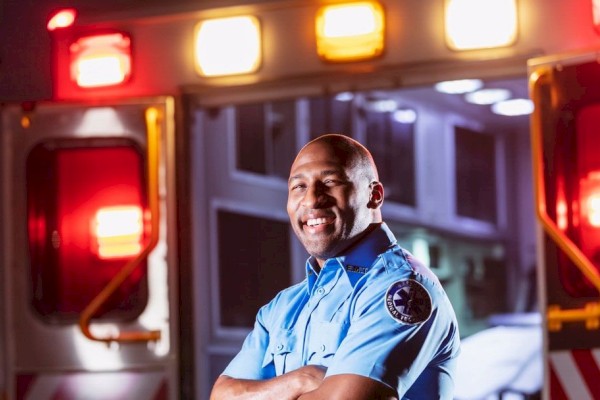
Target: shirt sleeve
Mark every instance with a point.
(400, 347)
(249, 363)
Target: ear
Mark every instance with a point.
(375, 195)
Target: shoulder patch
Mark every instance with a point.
(408, 302)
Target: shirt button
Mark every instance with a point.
(279, 347)
(320, 290)
(322, 347)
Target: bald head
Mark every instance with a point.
(349, 151)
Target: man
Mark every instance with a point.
(368, 322)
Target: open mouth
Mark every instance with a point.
(320, 222)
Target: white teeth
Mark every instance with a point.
(316, 221)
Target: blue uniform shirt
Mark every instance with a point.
(372, 311)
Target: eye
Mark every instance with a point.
(297, 186)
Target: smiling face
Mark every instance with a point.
(333, 195)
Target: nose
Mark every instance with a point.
(314, 196)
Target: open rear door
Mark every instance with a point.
(89, 291)
(566, 154)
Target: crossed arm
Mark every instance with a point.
(306, 383)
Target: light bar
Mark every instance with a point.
(349, 32)
(118, 231)
(228, 46)
(477, 24)
(102, 60)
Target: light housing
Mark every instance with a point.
(228, 46)
(576, 171)
(350, 32)
(101, 60)
(479, 24)
(68, 183)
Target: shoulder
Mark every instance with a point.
(399, 264)
(406, 288)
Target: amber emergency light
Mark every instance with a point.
(350, 32)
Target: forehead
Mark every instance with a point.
(320, 156)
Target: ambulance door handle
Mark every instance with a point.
(152, 116)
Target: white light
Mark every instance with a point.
(100, 120)
(228, 46)
(513, 107)
(477, 24)
(156, 313)
(97, 356)
(458, 86)
(405, 116)
(487, 96)
(381, 105)
(344, 96)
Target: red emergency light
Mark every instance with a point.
(577, 196)
(62, 19)
(118, 231)
(86, 207)
(101, 60)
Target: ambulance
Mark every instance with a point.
(143, 204)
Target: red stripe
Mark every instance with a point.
(589, 370)
(556, 390)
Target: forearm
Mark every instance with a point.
(285, 387)
(280, 388)
(350, 387)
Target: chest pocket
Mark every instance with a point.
(282, 344)
(325, 338)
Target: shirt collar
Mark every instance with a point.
(359, 258)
